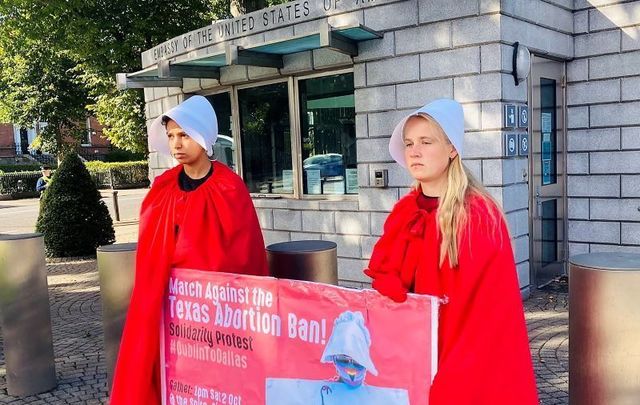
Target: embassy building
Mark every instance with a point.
(307, 94)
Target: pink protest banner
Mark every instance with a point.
(229, 339)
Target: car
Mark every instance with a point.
(329, 164)
(223, 150)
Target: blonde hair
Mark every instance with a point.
(453, 207)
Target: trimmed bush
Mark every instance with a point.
(19, 168)
(119, 155)
(72, 217)
(119, 175)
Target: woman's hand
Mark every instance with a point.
(388, 285)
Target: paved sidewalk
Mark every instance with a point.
(547, 313)
(78, 346)
(76, 319)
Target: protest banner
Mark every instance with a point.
(234, 339)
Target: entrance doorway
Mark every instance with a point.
(547, 166)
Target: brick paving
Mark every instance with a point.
(76, 319)
(547, 313)
(78, 346)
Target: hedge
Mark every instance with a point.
(18, 168)
(19, 185)
(119, 175)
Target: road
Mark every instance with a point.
(20, 216)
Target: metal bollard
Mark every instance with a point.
(25, 316)
(310, 260)
(116, 269)
(116, 209)
(604, 329)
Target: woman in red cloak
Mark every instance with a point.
(198, 215)
(448, 238)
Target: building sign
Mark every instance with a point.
(283, 15)
(545, 119)
(235, 339)
(547, 150)
(510, 116)
(511, 145)
(351, 176)
(523, 116)
(287, 181)
(314, 182)
(546, 172)
(523, 144)
(546, 146)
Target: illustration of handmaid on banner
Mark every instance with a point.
(348, 351)
(230, 339)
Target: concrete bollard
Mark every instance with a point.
(116, 269)
(25, 315)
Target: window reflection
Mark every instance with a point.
(327, 113)
(266, 139)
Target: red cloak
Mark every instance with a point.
(213, 228)
(483, 348)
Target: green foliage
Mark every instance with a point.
(73, 218)
(58, 59)
(5, 113)
(118, 155)
(222, 8)
(19, 168)
(119, 175)
(38, 83)
(19, 184)
(97, 165)
(122, 114)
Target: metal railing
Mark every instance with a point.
(17, 150)
(19, 184)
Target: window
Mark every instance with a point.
(224, 148)
(265, 139)
(328, 135)
(86, 139)
(255, 138)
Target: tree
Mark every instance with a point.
(39, 83)
(88, 42)
(73, 218)
(238, 7)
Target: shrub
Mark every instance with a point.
(19, 168)
(72, 217)
(19, 185)
(119, 155)
(119, 175)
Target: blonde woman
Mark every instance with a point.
(448, 238)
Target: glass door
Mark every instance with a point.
(547, 183)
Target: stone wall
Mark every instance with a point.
(440, 48)
(545, 27)
(603, 142)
